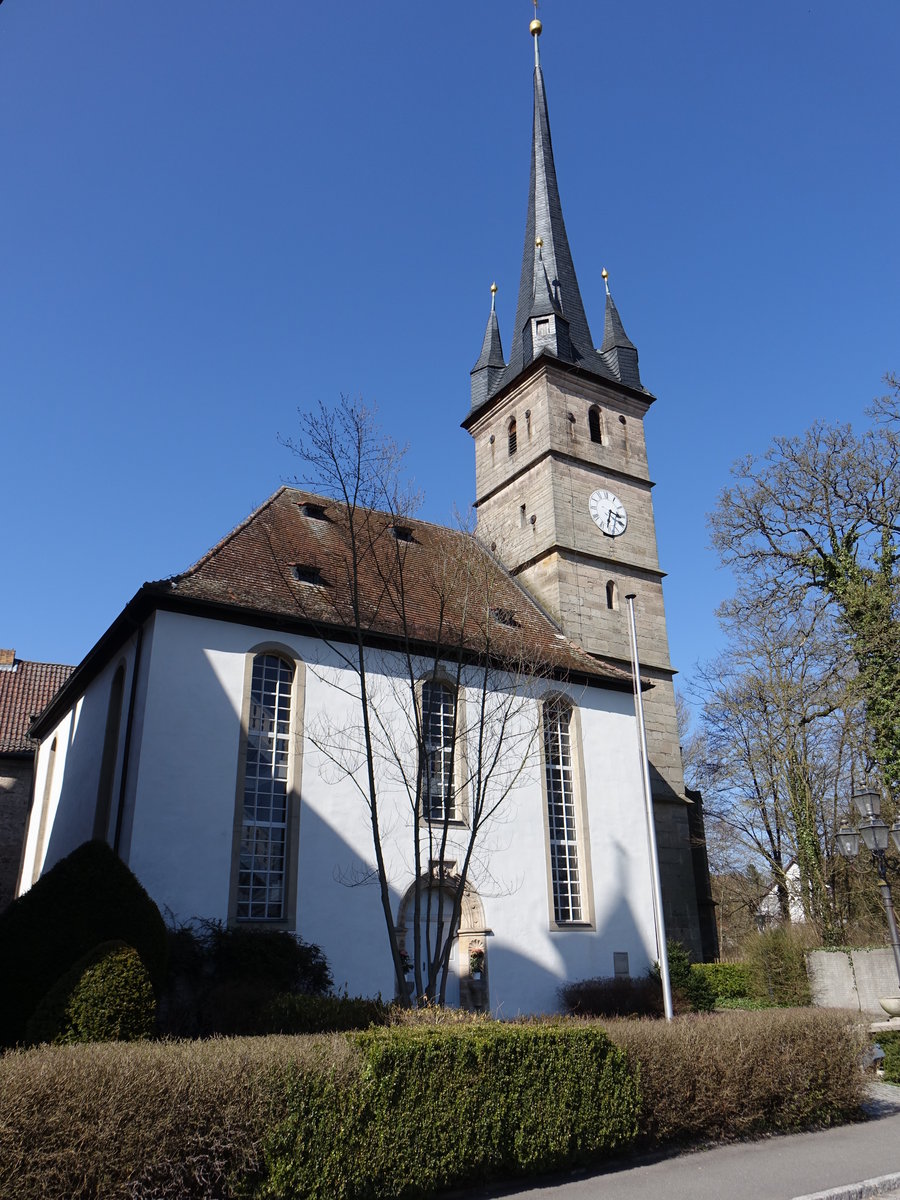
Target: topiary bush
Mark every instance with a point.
(106, 997)
(89, 897)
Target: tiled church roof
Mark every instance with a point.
(25, 689)
(456, 595)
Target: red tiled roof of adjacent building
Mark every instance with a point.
(26, 688)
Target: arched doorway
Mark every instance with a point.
(467, 976)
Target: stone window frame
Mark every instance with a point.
(288, 920)
(460, 819)
(582, 829)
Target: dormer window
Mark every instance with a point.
(305, 573)
(512, 443)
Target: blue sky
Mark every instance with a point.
(215, 212)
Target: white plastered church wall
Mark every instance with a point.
(180, 807)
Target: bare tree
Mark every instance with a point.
(445, 669)
(777, 746)
(820, 514)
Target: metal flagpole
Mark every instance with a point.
(658, 917)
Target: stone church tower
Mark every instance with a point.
(564, 494)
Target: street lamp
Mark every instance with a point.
(875, 834)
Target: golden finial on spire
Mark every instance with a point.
(535, 29)
(604, 275)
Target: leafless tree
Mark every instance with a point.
(397, 622)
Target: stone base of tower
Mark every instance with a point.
(676, 870)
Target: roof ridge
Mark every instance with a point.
(221, 543)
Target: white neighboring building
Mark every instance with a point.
(769, 910)
(191, 739)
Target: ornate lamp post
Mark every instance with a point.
(875, 833)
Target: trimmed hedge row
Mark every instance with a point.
(728, 981)
(405, 1111)
(440, 1107)
(890, 1044)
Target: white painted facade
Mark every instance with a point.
(176, 811)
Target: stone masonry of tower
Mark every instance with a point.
(539, 456)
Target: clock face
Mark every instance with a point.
(608, 513)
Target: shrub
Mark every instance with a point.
(613, 997)
(222, 980)
(148, 1120)
(443, 1106)
(728, 981)
(291, 1013)
(106, 997)
(736, 1074)
(777, 966)
(890, 1044)
(403, 1111)
(690, 992)
(89, 897)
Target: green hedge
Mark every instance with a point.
(106, 997)
(405, 1111)
(89, 897)
(292, 1013)
(440, 1107)
(728, 981)
(890, 1044)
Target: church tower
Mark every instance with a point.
(564, 496)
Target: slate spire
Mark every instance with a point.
(545, 222)
(491, 364)
(618, 350)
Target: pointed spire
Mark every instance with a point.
(491, 364)
(618, 351)
(545, 221)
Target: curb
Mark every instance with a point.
(882, 1186)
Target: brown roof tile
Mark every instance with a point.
(455, 594)
(26, 688)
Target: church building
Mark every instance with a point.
(215, 734)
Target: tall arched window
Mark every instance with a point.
(511, 436)
(594, 425)
(438, 728)
(110, 754)
(564, 859)
(264, 823)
